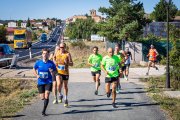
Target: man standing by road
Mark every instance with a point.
(127, 62)
(44, 70)
(95, 62)
(152, 58)
(110, 65)
(63, 60)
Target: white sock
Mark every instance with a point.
(65, 97)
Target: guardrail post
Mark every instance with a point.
(30, 54)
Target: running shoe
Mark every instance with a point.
(66, 103)
(60, 99)
(55, 101)
(157, 68)
(44, 114)
(96, 92)
(109, 94)
(114, 105)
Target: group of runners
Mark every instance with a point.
(53, 72)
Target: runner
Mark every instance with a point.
(152, 58)
(44, 70)
(127, 62)
(110, 65)
(63, 60)
(55, 101)
(118, 54)
(94, 61)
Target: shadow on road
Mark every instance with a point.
(13, 116)
(89, 111)
(133, 104)
(87, 100)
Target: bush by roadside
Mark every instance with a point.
(81, 51)
(14, 95)
(155, 89)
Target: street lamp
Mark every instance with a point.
(167, 62)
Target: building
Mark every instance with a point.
(10, 33)
(74, 18)
(158, 28)
(1, 24)
(93, 15)
(23, 24)
(96, 17)
(12, 24)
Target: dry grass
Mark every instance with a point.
(14, 95)
(81, 52)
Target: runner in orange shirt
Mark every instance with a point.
(152, 58)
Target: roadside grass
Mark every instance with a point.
(80, 52)
(14, 95)
(155, 88)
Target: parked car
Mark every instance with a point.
(6, 52)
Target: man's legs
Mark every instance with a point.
(149, 65)
(46, 101)
(59, 87)
(108, 91)
(55, 92)
(65, 92)
(114, 84)
(97, 83)
(153, 65)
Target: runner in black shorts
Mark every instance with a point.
(44, 70)
(94, 61)
(110, 65)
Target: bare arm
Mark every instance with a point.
(156, 53)
(102, 67)
(35, 73)
(52, 73)
(70, 62)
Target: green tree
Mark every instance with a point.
(34, 37)
(160, 11)
(125, 20)
(28, 23)
(2, 34)
(81, 29)
(19, 23)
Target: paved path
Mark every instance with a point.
(132, 102)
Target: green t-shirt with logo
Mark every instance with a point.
(111, 65)
(96, 61)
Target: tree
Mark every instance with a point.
(160, 11)
(19, 23)
(178, 13)
(81, 29)
(125, 20)
(28, 23)
(2, 34)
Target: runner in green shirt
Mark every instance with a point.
(110, 65)
(95, 61)
(121, 54)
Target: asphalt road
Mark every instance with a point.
(132, 102)
(37, 47)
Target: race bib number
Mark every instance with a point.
(96, 65)
(61, 67)
(112, 68)
(43, 75)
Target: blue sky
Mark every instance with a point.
(22, 9)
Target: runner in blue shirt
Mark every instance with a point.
(44, 70)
